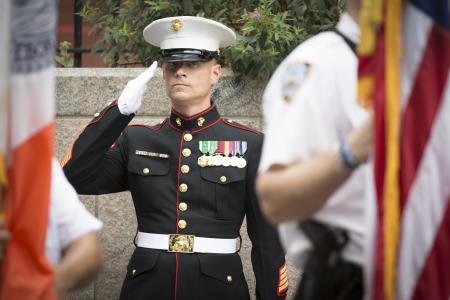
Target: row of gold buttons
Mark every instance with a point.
(183, 188)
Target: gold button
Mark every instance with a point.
(183, 187)
(185, 169)
(229, 279)
(182, 206)
(200, 121)
(178, 120)
(146, 171)
(96, 115)
(182, 224)
(223, 179)
(186, 152)
(133, 272)
(188, 137)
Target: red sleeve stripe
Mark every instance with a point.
(283, 268)
(283, 289)
(283, 283)
(67, 157)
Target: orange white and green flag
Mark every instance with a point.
(27, 148)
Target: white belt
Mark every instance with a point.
(186, 243)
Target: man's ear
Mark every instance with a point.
(216, 71)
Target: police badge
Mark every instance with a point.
(293, 78)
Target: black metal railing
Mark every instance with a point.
(77, 33)
(78, 50)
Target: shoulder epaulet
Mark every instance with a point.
(235, 124)
(155, 127)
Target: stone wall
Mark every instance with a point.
(80, 93)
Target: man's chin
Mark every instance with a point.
(179, 96)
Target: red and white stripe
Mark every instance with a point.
(423, 270)
(423, 264)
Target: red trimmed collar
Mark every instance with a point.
(195, 122)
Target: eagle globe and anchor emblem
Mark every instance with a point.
(181, 243)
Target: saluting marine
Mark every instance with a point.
(191, 177)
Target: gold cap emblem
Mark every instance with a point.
(176, 25)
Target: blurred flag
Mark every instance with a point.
(5, 11)
(404, 71)
(25, 271)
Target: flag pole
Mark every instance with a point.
(5, 41)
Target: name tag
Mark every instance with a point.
(151, 154)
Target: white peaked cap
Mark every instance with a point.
(187, 32)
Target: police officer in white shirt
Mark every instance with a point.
(69, 220)
(317, 137)
(71, 245)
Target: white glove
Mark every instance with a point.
(131, 98)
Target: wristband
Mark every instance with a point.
(350, 161)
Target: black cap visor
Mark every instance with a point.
(176, 55)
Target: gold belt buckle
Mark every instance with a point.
(181, 243)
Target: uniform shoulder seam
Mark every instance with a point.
(234, 124)
(155, 127)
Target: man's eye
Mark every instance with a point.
(193, 64)
(172, 66)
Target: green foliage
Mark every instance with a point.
(267, 30)
(64, 59)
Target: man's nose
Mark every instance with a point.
(181, 70)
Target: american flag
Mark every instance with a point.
(25, 270)
(404, 70)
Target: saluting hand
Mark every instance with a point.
(131, 98)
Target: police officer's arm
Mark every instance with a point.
(267, 255)
(299, 190)
(96, 162)
(79, 265)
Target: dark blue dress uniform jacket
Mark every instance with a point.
(104, 160)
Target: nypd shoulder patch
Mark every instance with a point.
(293, 78)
